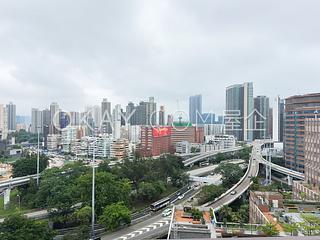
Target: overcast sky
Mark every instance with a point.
(78, 52)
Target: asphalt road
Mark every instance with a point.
(244, 185)
(148, 223)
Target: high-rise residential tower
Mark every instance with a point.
(151, 112)
(116, 121)
(141, 113)
(130, 114)
(239, 111)
(195, 108)
(145, 113)
(96, 114)
(75, 118)
(261, 119)
(46, 120)
(2, 116)
(54, 118)
(11, 116)
(106, 117)
(3, 123)
(278, 118)
(36, 121)
(162, 116)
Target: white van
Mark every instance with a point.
(166, 212)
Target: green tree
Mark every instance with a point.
(235, 217)
(231, 174)
(219, 158)
(115, 215)
(255, 184)
(151, 190)
(225, 213)
(210, 192)
(109, 190)
(24, 136)
(269, 229)
(303, 196)
(147, 191)
(28, 165)
(291, 228)
(152, 170)
(244, 213)
(310, 225)
(58, 192)
(28, 193)
(196, 214)
(16, 227)
(83, 215)
(135, 170)
(245, 153)
(104, 166)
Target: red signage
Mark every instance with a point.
(161, 131)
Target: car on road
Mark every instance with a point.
(181, 196)
(233, 192)
(196, 187)
(166, 212)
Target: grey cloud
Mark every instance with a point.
(76, 52)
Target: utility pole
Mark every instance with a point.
(38, 157)
(93, 189)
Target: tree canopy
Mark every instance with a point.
(231, 173)
(115, 215)
(28, 165)
(63, 191)
(16, 227)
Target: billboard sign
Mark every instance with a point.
(161, 131)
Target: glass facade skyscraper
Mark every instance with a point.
(261, 120)
(239, 109)
(195, 108)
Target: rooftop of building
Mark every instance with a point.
(267, 208)
(296, 99)
(182, 124)
(266, 194)
(183, 214)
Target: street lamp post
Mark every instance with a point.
(19, 202)
(93, 190)
(38, 157)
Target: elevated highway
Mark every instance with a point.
(203, 156)
(15, 182)
(237, 190)
(245, 182)
(199, 175)
(281, 169)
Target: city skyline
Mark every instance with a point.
(126, 120)
(206, 109)
(200, 52)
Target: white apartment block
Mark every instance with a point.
(225, 141)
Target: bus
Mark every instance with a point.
(160, 204)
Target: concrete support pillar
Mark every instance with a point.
(6, 198)
(289, 181)
(268, 167)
